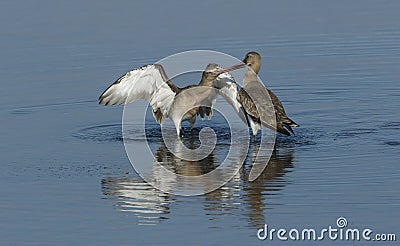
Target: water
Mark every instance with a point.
(65, 177)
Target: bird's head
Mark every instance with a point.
(253, 60)
(211, 72)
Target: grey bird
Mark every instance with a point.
(268, 113)
(151, 83)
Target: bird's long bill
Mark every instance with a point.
(234, 67)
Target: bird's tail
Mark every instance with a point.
(288, 124)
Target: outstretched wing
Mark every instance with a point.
(148, 82)
(228, 88)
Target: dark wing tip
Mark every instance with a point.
(104, 101)
(101, 98)
(283, 131)
(106, 91)
(289, 128)
(294, 124)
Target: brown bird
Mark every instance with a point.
(263, 113)
(151, 83)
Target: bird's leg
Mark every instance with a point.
(210, 113)
(192, 121)
(254, 128)
(201, 113)
(177, 124)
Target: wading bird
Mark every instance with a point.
(254, 91)
(151, 83)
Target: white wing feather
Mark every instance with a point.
(228, 88)
(147, 82)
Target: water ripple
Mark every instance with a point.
(392, 143)
(50, 106)
(391, 126)
(348, 133)
(101, 133)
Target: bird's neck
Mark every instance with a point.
(249, 76)
(206, 82)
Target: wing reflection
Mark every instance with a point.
(135, 196)
(147, 203)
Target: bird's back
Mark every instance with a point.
(269, 110)
(282, 120)
(255, 100)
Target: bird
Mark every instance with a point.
(261, 106)
(150, 82)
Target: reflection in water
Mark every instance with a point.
(186, 168)
(236, 198)
(268, 184)
(252, 198)
(134, 195)
(148, 203)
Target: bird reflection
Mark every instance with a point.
(237, 198)
(182, 167)
(135, 196)
(251, 198)
(150, 205)
(267, 185)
